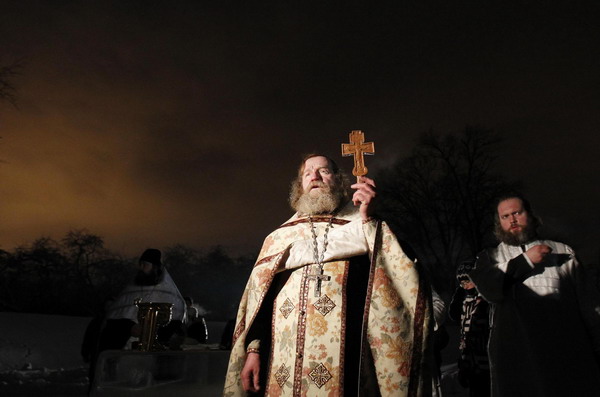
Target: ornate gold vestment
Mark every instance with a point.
(310, 335)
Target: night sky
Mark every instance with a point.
(152, 123)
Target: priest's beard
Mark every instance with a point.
(152, 278)
(527, 234)
(325, 201)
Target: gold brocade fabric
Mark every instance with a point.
(316, 324)
(307, 354)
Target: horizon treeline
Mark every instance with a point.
(437, 201)
(77, 274)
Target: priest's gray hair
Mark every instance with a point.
(340, 188)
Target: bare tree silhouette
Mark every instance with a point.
(77, 274)
(214, 279)
(7, 88)
(7, 75)
(437, 200)
(74, 276)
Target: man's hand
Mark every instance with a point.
(538, 253)
(250, 373)
(364, 196)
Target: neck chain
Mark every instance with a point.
(318, 275)
(319, 258)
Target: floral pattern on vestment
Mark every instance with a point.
(397, 299)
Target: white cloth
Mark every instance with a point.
(439, 310)
(165, 291)
(545, 322)
(342, 242)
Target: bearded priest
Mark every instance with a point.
(333, 306)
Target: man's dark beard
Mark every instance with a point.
(527, 234)
(152, 278)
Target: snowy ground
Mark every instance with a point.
(40, 356)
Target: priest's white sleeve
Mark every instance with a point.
(342, 242)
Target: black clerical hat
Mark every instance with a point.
(152, 255)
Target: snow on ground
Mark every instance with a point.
(38, 341)
(40, 356)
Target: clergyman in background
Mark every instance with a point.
(152, 283)
(545, 310)
(471, 312)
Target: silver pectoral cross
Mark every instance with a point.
(318, 276)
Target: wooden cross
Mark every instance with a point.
(358, 148)
(318, 276)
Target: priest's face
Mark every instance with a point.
(317, 176)
(147, 274)
(318, 189)
(514, 227)
(145, 267)
(467, 284)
